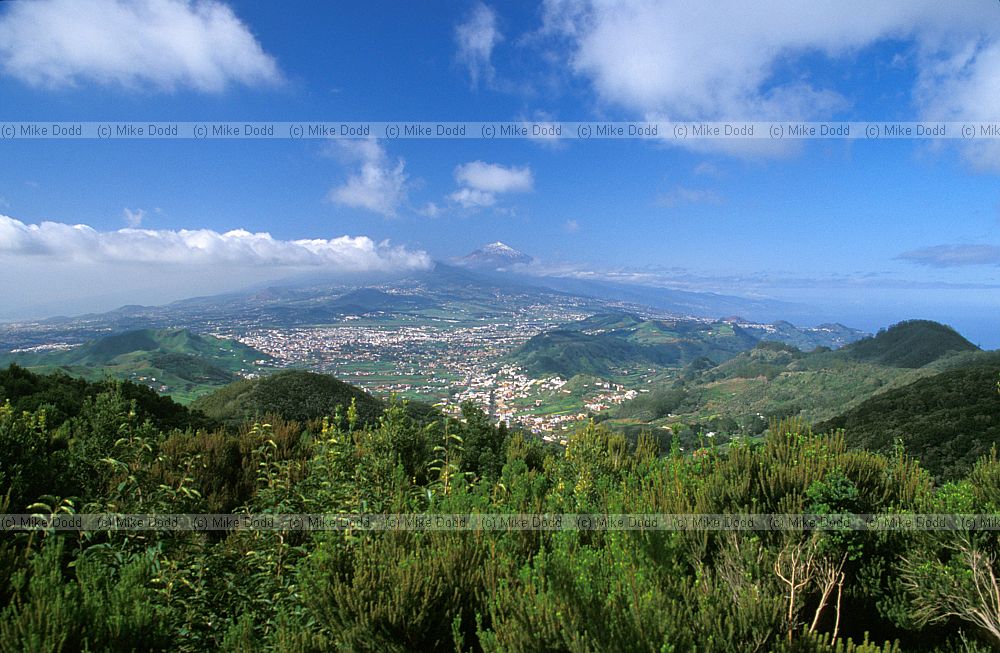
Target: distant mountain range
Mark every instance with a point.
(493, 280)
(511, 265)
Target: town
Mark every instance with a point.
(444, 364)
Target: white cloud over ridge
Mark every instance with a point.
(82, 244)
(476, 38)
(162, 44)
(379, 186)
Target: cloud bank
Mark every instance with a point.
(79, 243)
(159, 44)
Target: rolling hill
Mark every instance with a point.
(778, 380)
(608, 343)
(173, 361)
(805, 338)
(606, 353)
(911, 344)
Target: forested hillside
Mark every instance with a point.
(913, 343)
(292, 395)
(948, 421)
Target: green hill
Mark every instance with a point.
(910, 344)
(606, 345)
(177, 362)
(568, 353)
(293, 395)
(605, 322)
(947, 421)
(777, 380)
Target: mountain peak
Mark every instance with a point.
(495, 255)
(499, 246)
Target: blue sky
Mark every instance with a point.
(865, 232)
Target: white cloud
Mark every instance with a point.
(379, 186)
(959, 82)
(571, 226)
(482, 182)
(133, 218)
(79, 243)
(495, 178)
(676, 60)
(163, 44)
(430, 210)
(476, 38)
(470, 198)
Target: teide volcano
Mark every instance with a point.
(494, 256)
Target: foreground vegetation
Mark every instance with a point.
(67, 446)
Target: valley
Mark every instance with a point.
(530, 356)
